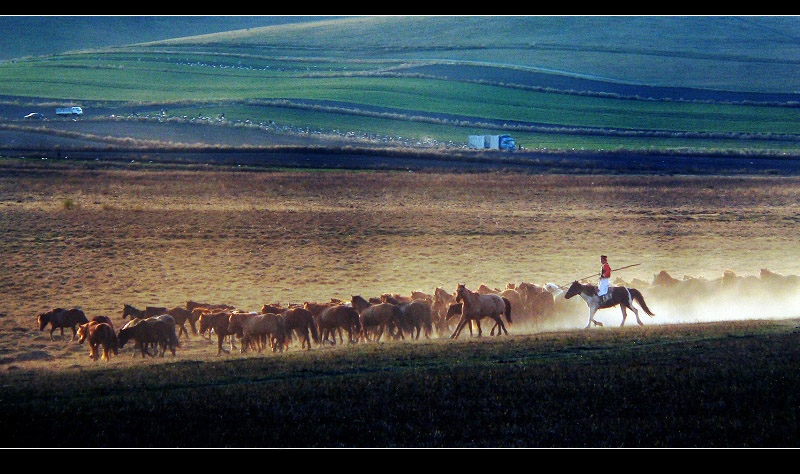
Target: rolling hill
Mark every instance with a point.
(697, 84)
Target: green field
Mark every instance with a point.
(354, 62)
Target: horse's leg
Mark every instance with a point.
(220, 341)
(74, 332)
(478, 323)
(502, 325)
(592, 310)
(459, 327)
(144, 349)
(624, 314)
(636, 312)
(498, 323)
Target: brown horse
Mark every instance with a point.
(454, 309)
(338, 318)
(272, 308)
(418, 295)
(191, 305)
(255, 329)
(171, 340)
(439, 308)
(218, 321)
(301, 321)
(416, 315)
(539, 303)
(620, 295)
(146, 332)
(317, 308)
(378, 317)
(148, 312)
(98, 333)
(62, 318)
(477, 307)
(181, 316)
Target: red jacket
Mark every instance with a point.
(606, 271)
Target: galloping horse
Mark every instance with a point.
(477, 307)
(620, 295)
(378, 317)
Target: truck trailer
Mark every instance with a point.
(491, 142)
(69, 111)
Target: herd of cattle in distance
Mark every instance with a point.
(159, 329)
(154, 330)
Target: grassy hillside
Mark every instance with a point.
(35, 35)
(574, 82)
(708, 52)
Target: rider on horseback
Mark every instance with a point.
(605, 276)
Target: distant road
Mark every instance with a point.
(631, 164)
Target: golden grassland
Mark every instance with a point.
(99, 239)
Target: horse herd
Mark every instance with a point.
(361, 319)
(440, 314)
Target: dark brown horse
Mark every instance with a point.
(148, 312)
(620, 295)
(150, 331)
(477, 307)
(378, 317)
(416, 316)
(62, 318)
(338, 318)
(300, 321)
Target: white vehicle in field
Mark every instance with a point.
(491, 142)
(33, 116)
(72, 111)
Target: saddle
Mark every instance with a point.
(606, 297)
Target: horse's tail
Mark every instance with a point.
(314, 332)
(508, 309)
(173, 339)
(637, 295)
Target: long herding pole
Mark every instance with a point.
(598, 273)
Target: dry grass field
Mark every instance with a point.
(99, 239)
(150, 236)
